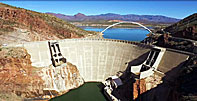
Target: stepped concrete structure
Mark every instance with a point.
(96, 59)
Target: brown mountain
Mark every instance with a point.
(21, 25)
(111, 16)
(79, 15)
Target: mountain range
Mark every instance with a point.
(111, 16)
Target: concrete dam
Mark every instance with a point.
(97, 59)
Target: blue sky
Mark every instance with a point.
(177, 9)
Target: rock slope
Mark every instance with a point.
(59, 80)
(21, 25)
(19, 80)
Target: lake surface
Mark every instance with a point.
(131, 34)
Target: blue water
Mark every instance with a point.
(131, 34)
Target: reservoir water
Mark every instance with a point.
(90, 91)
(131, 34)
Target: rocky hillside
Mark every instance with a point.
(17, 76)
(186, 28)
(19, 80)
(21, 25)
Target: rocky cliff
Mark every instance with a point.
(59, 80)
(21, 25)
(19, 80)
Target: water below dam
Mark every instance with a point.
(87, 92)
(130, 34)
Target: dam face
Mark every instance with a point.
(96, 59)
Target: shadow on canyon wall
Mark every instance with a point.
(167, 90)
(125, 91)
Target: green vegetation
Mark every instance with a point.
(6, 26)
(13, 52)
(8, 96)
(5, 5)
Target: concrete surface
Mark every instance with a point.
(96, 59)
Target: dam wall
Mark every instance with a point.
(96, 59)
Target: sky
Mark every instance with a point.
(176, 9)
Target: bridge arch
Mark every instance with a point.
(127, 22)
